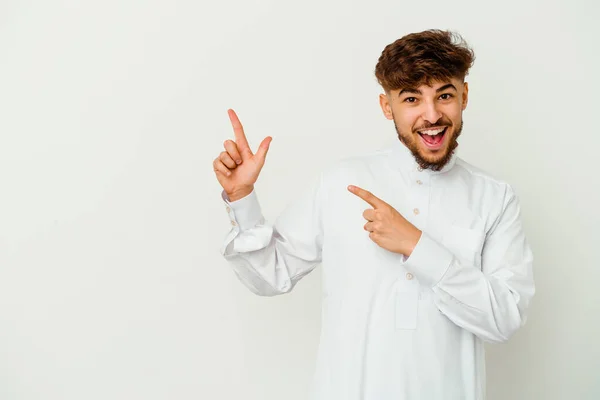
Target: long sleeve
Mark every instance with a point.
(270, 259)
(490, 302)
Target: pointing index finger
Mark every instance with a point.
(238, 130)
(367, 196)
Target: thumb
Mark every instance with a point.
(261, 153)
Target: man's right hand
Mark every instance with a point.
(237, 168)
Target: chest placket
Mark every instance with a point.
(416, 211)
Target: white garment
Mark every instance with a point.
(395, 327)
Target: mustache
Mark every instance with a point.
(440, 125)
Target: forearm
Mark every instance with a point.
(271, 258)
(491, 304)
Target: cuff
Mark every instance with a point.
(245, 212)
(429, 260)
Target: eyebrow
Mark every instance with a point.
(417, 91)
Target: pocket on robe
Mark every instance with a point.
(465, 243)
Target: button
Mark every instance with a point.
(416, 211)
(420, 169)
(409, 276)
(233, 223)
(419, 182)
(228, 209)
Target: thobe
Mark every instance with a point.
(395, 327)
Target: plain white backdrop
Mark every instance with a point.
(111, 281)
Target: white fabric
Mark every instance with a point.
(395, 327)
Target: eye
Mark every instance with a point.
(448, 96)
(410, 99)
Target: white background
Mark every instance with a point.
(111, 281)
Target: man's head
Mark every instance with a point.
(423, 76)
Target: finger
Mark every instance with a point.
(369, 214)
(240, 136)
(369, 226)
(227, 160)
(367, 196)
(264, 148)
(232, 149)
(219, 167)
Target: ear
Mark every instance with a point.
(386, 107)
(465, 96)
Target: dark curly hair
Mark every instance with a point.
(423, 57)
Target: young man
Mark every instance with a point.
(424, 256)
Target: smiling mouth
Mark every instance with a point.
(433, 141)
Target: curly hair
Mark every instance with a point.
(423, 57)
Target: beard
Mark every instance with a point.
(409, 140)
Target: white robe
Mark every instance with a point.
(395, 327)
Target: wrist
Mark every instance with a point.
(413, 242)
(239, 194)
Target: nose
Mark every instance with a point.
(431, 113)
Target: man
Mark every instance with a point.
(442, 264)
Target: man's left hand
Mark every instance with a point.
(386, 226)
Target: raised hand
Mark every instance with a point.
(386, 226)
(237, 168)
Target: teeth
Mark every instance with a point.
(432, 132)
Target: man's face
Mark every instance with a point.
(436, 110)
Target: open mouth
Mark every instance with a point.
(433, 138)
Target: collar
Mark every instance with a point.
(402, 159)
